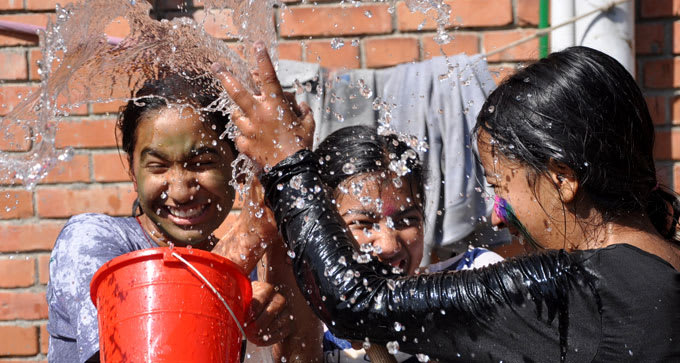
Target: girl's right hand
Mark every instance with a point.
(271, 129)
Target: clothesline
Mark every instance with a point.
(545, 31)
(16, 27)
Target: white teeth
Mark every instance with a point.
(187, 213)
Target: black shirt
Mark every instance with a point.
(614, 304)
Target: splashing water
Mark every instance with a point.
(81, 67)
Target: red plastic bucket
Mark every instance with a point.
(153, 308)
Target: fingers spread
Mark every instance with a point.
(267, 74)
(236, 91)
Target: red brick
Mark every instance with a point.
(499, 73)
(44, 339)
(464, 13)
(335, 20)
(675, 110)
(17, 272)
(659, 8)
(649, 38)
(45, 4)
(34, 56)
(523, 52)
(676, 177)
(527, 12)
(23, 305)
(390, 51)
(321, 52)
(18, 340)
(15, 203)
(661, 73)
(15, 137)
(62, 203)
(462, 43)
(11, 4)
(110, 167)
(11, 95)
(87, 133)
(75, 170)
(676, 37)
(657, 109)
(32, 236)
(13, 65)
(10, 38)
(667, 145)
(218, 23)
(290, 50)
(43, 269)
(108, 107)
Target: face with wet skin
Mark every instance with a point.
(385, 216)
(181, 172)
(535, 199)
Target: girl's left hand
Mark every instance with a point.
(269, 319)
(272, 128)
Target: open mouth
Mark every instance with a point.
(187, 216)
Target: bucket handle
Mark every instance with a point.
(219, 296)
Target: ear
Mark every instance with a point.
(131, 173)
(564, 179)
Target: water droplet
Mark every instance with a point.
(291, 253)
(392, 347)
(337, 43)
(398, 326)
(368, 14)
(349, 168)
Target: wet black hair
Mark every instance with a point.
(196, 91)
(581, 108)
(368, 153)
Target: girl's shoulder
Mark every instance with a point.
(97, 231)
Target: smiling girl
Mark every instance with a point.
(180, 169)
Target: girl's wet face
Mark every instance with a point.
(385, 217)
(535, 200)
(181, 173)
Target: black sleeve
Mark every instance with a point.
(545, 301)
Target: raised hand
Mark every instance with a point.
(271, 129)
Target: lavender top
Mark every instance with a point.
(85, 244)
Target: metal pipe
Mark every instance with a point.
(611, 32)
(560, 12)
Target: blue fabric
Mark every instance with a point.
(86, 242)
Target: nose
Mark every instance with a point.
(182, 187)
(388, 241)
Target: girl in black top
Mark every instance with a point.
(567, 145)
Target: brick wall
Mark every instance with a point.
(95, 180)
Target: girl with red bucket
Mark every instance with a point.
(180, 168)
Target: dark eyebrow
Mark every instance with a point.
(147, 151)
(363, 212)
(407, 211)
(204, 150)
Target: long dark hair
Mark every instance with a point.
(580, 107)
(195, 91)
(368, 153)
